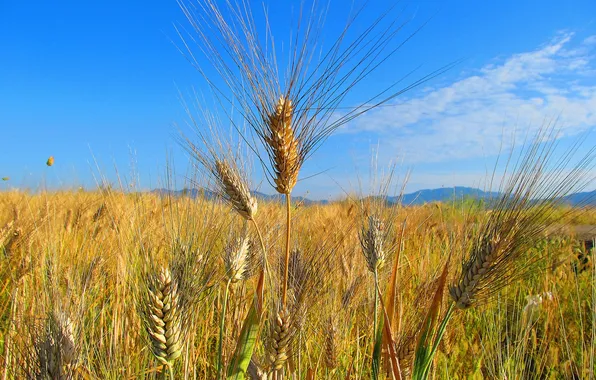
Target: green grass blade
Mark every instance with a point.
(376, 362)
(248, 336)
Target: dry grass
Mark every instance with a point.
(93, 261)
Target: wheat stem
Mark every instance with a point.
(261, 241)
(171, 371)
(221, 328)
(376, 276)
(288, 225)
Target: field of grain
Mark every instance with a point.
(119, 284)
(77, 270)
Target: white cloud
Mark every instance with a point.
(591, 40)
(469, 117)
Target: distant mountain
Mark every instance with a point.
(584, 199)
(279, 197)
(449, 194)
(443, 195)
(194, 193)
(419, 197)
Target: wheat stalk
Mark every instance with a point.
(68, 220)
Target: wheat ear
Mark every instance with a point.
(280, 339)
(284, 146)
(372, 237)
(5, 232)
(57, 349)
(162, 320)
(463, 292)
(405, 353)
(239, 259)
(234, 189)
(331, 345)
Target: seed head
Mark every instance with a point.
(162, 319)
(280, 340)
(372, 238)
(238, 259)
(234, 189)
(283, 146)
(56, 348)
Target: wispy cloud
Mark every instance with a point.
(473, 116)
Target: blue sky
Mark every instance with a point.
(96, 84)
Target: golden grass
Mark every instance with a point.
(81, 267)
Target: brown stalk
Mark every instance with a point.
(286, 165)
(392, 308)
(287, 255)
(392, 355)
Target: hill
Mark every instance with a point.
(444, 194)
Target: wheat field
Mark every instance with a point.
(76, 267)
(118, 284)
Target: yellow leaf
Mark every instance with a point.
(50, 161)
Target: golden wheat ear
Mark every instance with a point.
(239, 259)
(283, 146)
(331, 345)
(519, 218)
(214, 157)
(162, 318)
(234, 189)
(56, 348)
(279, 342)
(372, 240)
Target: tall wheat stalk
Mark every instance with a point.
(291, 114)
(238, 263)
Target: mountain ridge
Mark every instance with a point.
(443, 194)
